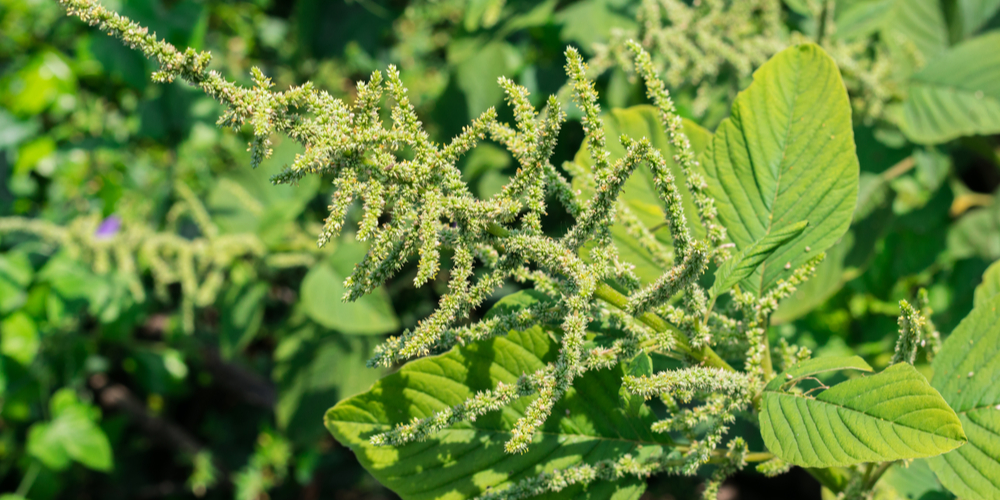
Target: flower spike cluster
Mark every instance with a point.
(415, 205)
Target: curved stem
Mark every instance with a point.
(604, 292)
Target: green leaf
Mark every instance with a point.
(19, 338)
(811, 367)
(587, 425)
(966, 372)
(592, 21)
(902, 24)
(46, 446)
(973, 14)
(323, 290)
(743, 265)
(478, 65)
(639, 193)
(313, 369)
(893, 415)
(990, 287)
(956, 94)
(71, 434)
(786, 155)
(976, 234)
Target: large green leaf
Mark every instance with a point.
(639, 193)
(786, 155)
(323, 291)
(587, 425)
(956, 94)
(967, 371)
(990, 287)
(893, 415)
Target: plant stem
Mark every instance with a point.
(604, 292)
(900, 168)
(876, 475)
(28, 480)
(833, 478)
(705, 354)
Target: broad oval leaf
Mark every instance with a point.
(967, 371)
(893, 415)
(589, 424)
(639, 193)
(956, 94)
(323, 291)
(786, 155)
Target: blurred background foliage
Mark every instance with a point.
(169, 327)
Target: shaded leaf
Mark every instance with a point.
(587, 425)
(323, 291)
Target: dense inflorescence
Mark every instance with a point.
(705, 43)
(128, 248)
(415, 204)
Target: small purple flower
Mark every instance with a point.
(108, 228)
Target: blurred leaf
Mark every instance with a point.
(786, 155)
(14, 131)
(71, 434)
(966, 373)
(477, 67)
(15, 275)
(246, 201)
(314, 369)
(976, 234)
(591, 21)
(323, 290)
(242, 313)
(914, 480)
(31, 153)
(639, 192)
(973, 14)
(990, 287)
(899, 23)
(19, 338)
(586, 425)
(956, 94)
(38, 85)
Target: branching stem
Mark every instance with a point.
(604, 292)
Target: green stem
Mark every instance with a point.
(604, 292)
(877, 474)
(28, 480)
(833, 478)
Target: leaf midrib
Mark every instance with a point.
(863, 413)
(777, 183)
